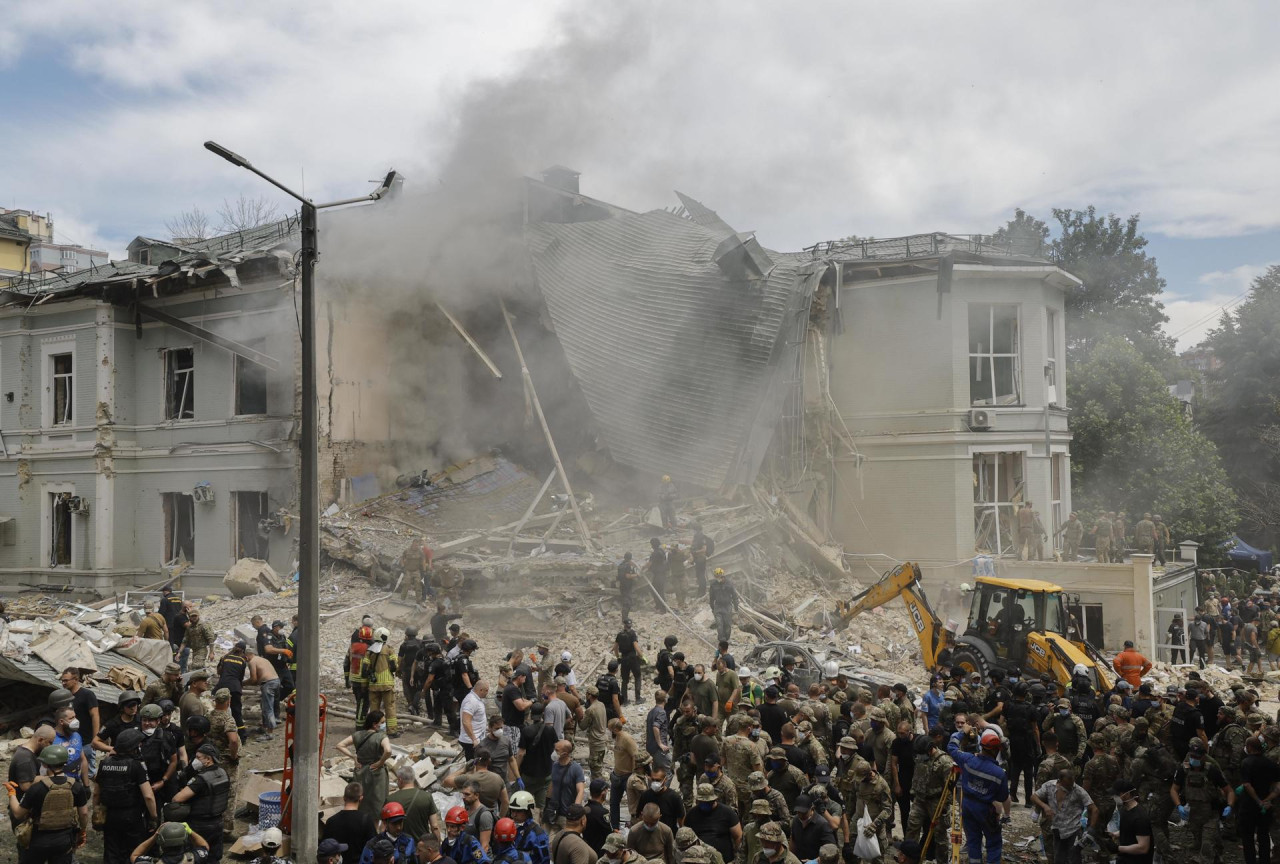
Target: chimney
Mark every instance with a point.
(562, 178)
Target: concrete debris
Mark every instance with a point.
(250, 576)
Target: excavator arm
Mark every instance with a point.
(902, 581)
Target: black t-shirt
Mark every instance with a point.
(772, 718)
(114, 727)
(1209, 706)
(811, 836)
(798, 758)
(904, 749)
(626, 642)
(538, 741)
(1260, 773)
(1135, 823)
(1183, 726)
(598, 829)
(264, 639)
(658, 562)
(1019, 720)
(714, 828)
(33, 800)
(511, 715)
(438, 672)
(669, 802)
(23, 766)
(1226, 627)
(997, 696)
(440, 625)
(355, 828)
(83, 701)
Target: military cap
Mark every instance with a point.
(1230, 713)
(1098, 741)
(151, 712)
(1141, 724)
(697, 855)
(771, 832)
(778, 753)
(1064, 703)
(592, 690)
(211, 750)
(198, 675)
(756, 781)
(1253, 720)
(951, 693)
(761, 807)
(840, 697)
(686, 837)
(172, 669)
(614, 842)
(805, 711)
(828, 853)
(706, 792)
(846, 741)
(861, 768)
(222, 694)
(804, 726)
(1196, 745)
(877, 713)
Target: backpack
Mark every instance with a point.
(58, 811)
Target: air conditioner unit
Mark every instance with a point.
(980, 419)
(76, 504)
(202, 493)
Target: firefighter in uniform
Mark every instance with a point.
(876, 799)
(206, 799)
(121, 786)
(379, 670)
(231, 671)
(361, 639)
(57, 807)
(1199, 790)
(933, 767)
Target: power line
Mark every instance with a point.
(1217, 311)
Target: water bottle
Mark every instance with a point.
(1113, 827)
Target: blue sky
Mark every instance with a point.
(866, 118)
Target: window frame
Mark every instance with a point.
(980, 360)
(50, 349)
(168, 370)
(1002, 511)
(171, 547)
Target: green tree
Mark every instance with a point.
(1241, 409)
(1134, 449)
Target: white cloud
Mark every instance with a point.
(1191, 318)
(870, 118)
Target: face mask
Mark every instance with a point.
(196, 764)
(799, 737)
(705, 806)
(648, 827)
(877, 725)
(149, 732)
(697, 676)
(713, 776)
(1064, 711)
(382, 727)
(754, 735)
(1194, 763)
(74, 725)
(655, 786)
(773, 766)
(772, 853)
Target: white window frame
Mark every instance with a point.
(165, 361)
(170, 527)
(1057, 476)
(1053, 386)
(47, 491)
(987, 359)
(1003, 543)
(48, 349)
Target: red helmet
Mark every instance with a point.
(456, 816)
(392, 811)
(505, 830)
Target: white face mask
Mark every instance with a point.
(697, 676)
(382, 727)
(74, 725)
(150, 731)
(196, 764)
(655, 785)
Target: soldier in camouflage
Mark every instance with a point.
(772, 840)
(1199, 791)
(1151, 768)
(807, 741)
(1100, 774)
(741, 759)
(783, 776)
(760, 790)
(760, 813)
(875, 799)
(1227, 747)
(933, 771)
(880, 738)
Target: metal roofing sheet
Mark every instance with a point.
(675, 361)
(36, 671)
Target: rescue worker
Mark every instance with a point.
(121, 787)
(231, 672)
(198, 640)
(278, 652)
(1199, 791)
(761, 813)
(701, 548)
(361, 639)
(1227, 747)
(928, 784)
(1072, 532)
(724, 602)
(379, 670)
(875, 799)
(531, 839)
(657, 567)
(1162, 540)
(392, 816)
(1100, 774)
(1102, 539)
(505, 846)
(173, 841)
(436, 683)
(676, 558)
(667, 495)
(1068, 729)
(224, 736)
(628, 577)
(414, 566)
(626, 647)
(408, 658)
(773, 846)
(986, 794)
(158, 754)
(1144, 535)
(458, 844)
(168, 686)
(1130, 665)
(206, 798)
(57, 808)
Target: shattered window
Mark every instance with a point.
(60, 529)
(180, 384)
(179, 527)
(249, 534)
(993, 355)
(251, 386)
(63, 381)
(998, 486)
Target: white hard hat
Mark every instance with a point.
(1080, 669)
(382, 633)
(830, 669)
(272, 838)
(744, 672)
(566, 656)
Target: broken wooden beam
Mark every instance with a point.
(462, 331)
(533, 505)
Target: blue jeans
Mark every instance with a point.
(981, 822)
(268, 692)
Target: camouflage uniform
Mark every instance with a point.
(772, 831)
(788, 780)
(1151, 771)
(1204, 803)
(220, 723)
(1100, 773)
(875, 797)
(812, 746)
(726, 792)
(927, 785)
(1102, 539)
(741, 759)
(1227, 748)
(881, 740)
(1158, 718)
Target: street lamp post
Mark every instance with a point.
(305, 794)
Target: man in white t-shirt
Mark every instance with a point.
(474, 719)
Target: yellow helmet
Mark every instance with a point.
(719, 571)
(666, 478)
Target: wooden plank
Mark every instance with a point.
(532, 506)
(462, 331)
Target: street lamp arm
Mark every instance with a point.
(241, 162)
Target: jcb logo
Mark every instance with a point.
(1038, 649)
(919, 620)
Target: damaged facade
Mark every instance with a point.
(131, 448)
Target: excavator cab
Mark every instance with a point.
(1002, 613)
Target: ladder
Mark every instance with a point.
(286, 783)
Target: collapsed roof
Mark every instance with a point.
(679, 331)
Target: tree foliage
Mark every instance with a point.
(1134, 449)
(1241, 408)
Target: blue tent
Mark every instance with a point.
(1247, 557)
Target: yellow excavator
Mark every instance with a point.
(1018, 625)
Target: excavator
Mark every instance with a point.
(1018, 625)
